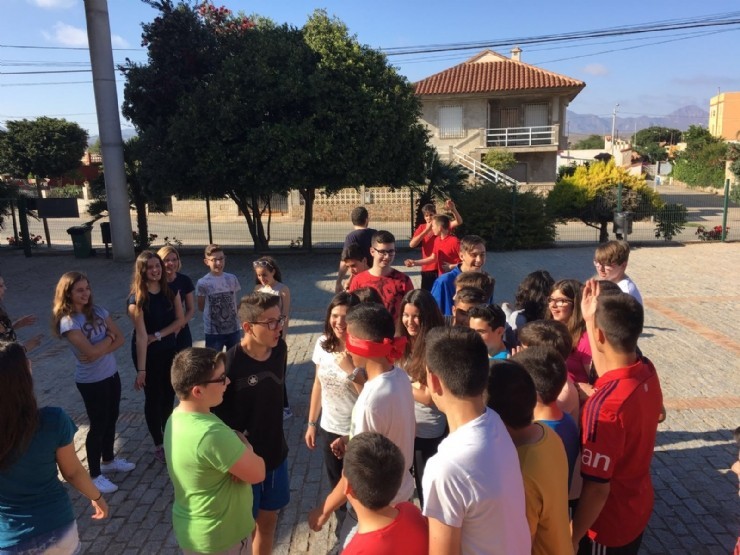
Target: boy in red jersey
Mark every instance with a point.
(619, 425)
(423, 236)
(445, 251)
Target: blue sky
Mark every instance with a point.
(656, 75)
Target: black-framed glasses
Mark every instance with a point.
(383, 252)
(559, 302)
(221, 379)
(272, 325)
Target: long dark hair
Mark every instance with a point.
(139, 282)
(19, 412)
(531, 295)
(414, 361)
(331, 342)
(571, 288)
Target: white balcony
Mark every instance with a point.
(506, 137)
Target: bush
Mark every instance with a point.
(68, 191)
(505, 218)
(499, 159)
(670, 220)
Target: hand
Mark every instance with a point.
(140, 381)
(317, 519)
(408, 263)
(112, 335)
(517, 349)
(311, 437)
(449, 204)
(589, 299)
(101, 509)
(150, 339)
(338, 287)
(27, 320)
(338, 447)
(34, 342)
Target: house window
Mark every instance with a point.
(536, 115)
(451, 122)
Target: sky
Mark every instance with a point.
(650, 74)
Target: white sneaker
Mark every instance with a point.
(117, 465)
(104, 485)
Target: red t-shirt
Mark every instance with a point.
(447, 251)
(407, 534)
(619, 424)
(427, 247)
(392, 287)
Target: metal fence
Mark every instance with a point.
(187, 225)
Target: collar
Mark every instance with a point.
(641, 369)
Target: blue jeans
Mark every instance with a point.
(220, 340)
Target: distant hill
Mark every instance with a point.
(126, 134)
(587, 124)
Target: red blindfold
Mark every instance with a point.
(392, 349)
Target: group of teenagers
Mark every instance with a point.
(522, 428)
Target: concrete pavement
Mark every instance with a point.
(692, 300)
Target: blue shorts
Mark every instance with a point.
(274, 492)
(218, 341)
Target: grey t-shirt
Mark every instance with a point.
(105, 366)
(219, 312)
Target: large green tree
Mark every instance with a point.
(702, 164)
(592, 142)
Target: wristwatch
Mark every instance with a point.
(353, 376)
(158, 336)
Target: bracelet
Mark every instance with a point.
(142, 371)
(312, 423)
(98, 498)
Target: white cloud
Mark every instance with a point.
(595, 69)
(53, 4)
(69, 35)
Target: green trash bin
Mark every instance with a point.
(81, 240)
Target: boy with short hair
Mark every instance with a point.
(544, 465)
(361, 236)
(423, 236)
(355, 262)
(210, 466)
(482, 280)
(611, 260)
(619, 425)
(446, 248)
(489, 321)
(374, 468)
(389, 282)
(385, 405)
(254, 405)
(473, 257)
(216, 295)
(547, 369)
(465, 300)
(473, 490)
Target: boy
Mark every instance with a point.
(611, 261)
(473, 257)
(446, 248)
(466, 299)
(618, 428)
(482, 280)
(511, 393)
(423, 236)
(374, 468)
(254, 405)
(385, 405)
(216, 294)
(547, 369)
(210, 466)
(390, 283)
(355, 262)
(489, 321)
(473, 490)
(361, 236)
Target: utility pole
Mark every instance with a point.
(109, 127)
(614, 127)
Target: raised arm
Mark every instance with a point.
(417, 239)
(450, 205)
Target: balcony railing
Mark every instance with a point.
(541, 135)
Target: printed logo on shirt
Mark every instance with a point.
(595, 460)
(94, 328)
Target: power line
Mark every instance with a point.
(45, 72)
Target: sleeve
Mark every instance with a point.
(102, 312)
(66, 428)
(318, 351)
(66, 324)
(444, 490)
(201, 288)
(603, 441)
(132, 299)
(237, 286)
(221, 448)
(418, 230)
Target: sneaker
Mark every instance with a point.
(159, 454)
(104, 485)
(117, 465)
(287, 413)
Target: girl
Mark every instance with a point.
(36, 444)
(564, 306)
(157, 315)
(8, 327)
(419, 314)
(93, 336)
(182, 284)
(336, 385)
(530, 304)
(269, 280)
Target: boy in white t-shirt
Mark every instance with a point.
(473, 486)
(216, 294)
(385, 405)
(610, 260)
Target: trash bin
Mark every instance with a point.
(81, 240)
(105, 232)
(622, 223)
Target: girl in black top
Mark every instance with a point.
(182, 284)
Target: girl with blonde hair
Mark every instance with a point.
(182, 284)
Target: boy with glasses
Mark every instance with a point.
(210, 466)
(611, 261)
(390, 283)
(216, 295)
(254, 405)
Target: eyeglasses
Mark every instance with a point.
(383, 252)
(272, 325)
(262, 264)
(221, 379)
(604, 266)
(559, 302)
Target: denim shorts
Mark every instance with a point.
(62, 541)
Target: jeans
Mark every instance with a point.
(220, 340)
(101, 403)
(62, 541)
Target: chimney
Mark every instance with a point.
(516, 54)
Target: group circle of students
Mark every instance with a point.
(490, 413)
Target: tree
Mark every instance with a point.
(442, 180)
(42, 148)
(702, 164)
(657, 134)
(499, 159)
(592, 142)
(590, 195)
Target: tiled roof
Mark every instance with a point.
(479, 75)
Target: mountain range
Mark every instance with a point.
(588, 124)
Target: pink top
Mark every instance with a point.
(579, 360)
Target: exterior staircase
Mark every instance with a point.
(480, 170)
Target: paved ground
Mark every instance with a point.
(692, 299)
